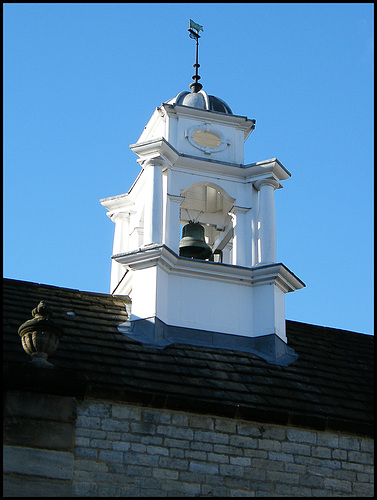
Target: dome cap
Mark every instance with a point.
(201, 100)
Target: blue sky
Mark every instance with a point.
(82, 80)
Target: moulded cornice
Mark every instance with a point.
(246, 124)
(162, 255)
(161, 149)
(115, 202)
(266, 168)
(155, 149)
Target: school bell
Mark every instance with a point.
(192, 244)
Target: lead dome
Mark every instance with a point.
(201, 100)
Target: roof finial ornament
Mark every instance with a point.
(194, 33)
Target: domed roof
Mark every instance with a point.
(201, 100)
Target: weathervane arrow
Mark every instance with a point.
(194, 33)
(195, 26)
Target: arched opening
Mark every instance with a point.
(209, 204)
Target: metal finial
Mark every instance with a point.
(194, 33)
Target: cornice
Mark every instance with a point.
(161, 149)
(154, 255)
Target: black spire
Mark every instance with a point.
(194, 33)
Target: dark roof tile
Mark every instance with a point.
(330, 385)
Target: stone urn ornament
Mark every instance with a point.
(40, 336)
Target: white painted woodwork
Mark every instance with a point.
(243, 291)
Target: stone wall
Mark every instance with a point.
(126, 450)
(39, 435)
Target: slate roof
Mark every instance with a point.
(329, 386)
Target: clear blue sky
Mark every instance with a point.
(82, 80)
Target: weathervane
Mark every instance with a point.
(194, 33)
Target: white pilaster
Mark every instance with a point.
(172, 227)
(242, 236)
(266, 221)
(153, 212)
(121, 220)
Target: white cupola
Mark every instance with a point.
(191, 154)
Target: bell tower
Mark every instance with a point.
(195, 192)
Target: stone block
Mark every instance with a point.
(203, 467)
(196, 455)
(349, 443)
(321, 452)
(301, 436)
(42, 434)
(301, 491)
(177, 443)
(138, 447)
(144, 428)
(184, 489)
(176, 453)
(277, 465)
(296, 448)
(120, 446)
(243, 442)
(234, 482)
(175, 432)
(363, 490)
(180, 419)
(283, 457)
(110, 424)
(88, 422)
(31, 486)
(113, 436)
(85, 453)
(102, 444)
(94, 409)
(89, 465)
(138, 470)
(243, 461)
(218, 458)
(173, 463)
(152, 440)
(339, 454)
(232, 470)
(157, 450)
(211, 437)
(255, 474)
(40, 406)
(153, 416)
(347, 475)
(35, 462)
(269, 444)
(338, 485)
(283, 477)
(165, 474)
(360, 457)
(269, 432)
(91, 433)
(246, 429)
(199, 421)
(255, 453)
(84, 490)
(110, 456)
(311, 481)
(223, 425)
(83, 477)
(367, 445)
(330, 440)
(126, 412)
(132, 458)
(283, 489)
(108, 490)
(197, 445)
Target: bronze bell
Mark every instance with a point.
(192, 244)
